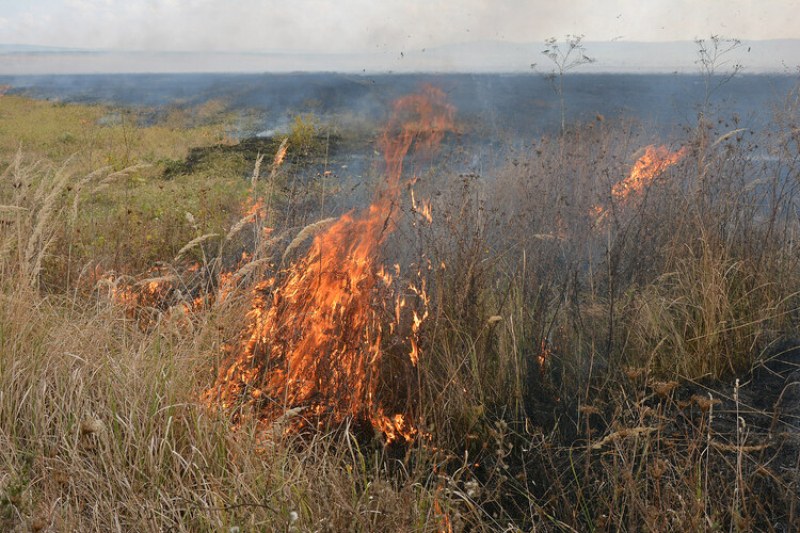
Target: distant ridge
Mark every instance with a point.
(772, 56)
(34, 49)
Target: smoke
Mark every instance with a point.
(391, 26)
(488, 104)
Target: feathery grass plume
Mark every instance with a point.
(280, 154)
(114, 176)
(79, 187)
(283, 422)
(22, 178)
(307, 232)
(726, 136)
(256, 169)
(43, 185)
(249, 268)
(13, 167)
(193, 243)
(107, 180)
(265, 245)
(236, 228)
(43, 233)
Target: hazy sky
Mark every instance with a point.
(364, 25)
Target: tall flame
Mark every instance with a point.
(314, 340)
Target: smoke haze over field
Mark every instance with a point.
(779, 56)
(493, 105)
(356, 35)
(360, 25)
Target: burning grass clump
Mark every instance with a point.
(316, 335)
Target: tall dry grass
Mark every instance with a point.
(553, 381)
(102, 427)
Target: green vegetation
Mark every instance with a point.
(577, 371)
(127, 211)
(304, 135)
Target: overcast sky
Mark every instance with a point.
(379, 25)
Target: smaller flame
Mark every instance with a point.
(444, 525)
(421, 207)
(425, 211)
(647, 168)
(182, 289)
(144, 300)
(544, 356)
(254, 208)
(280, 155)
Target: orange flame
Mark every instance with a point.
(160, 295)
(545, 354)
(143, 301)
(315, 340)
(254, 208)
(422, 208)
(280, 155)
(648, 167)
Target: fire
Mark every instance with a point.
(315, 337)
(421, 207)
(254, 208)
(545, 355)
(648, 167)
(139, 298)
(187, 288)
(280, 155)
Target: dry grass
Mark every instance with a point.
(102, 431)
(558, 381)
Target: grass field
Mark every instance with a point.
(594, 352)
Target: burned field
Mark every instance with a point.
(388, 326)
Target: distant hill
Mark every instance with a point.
(777, 56)
(34, 49)
(617, 56)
